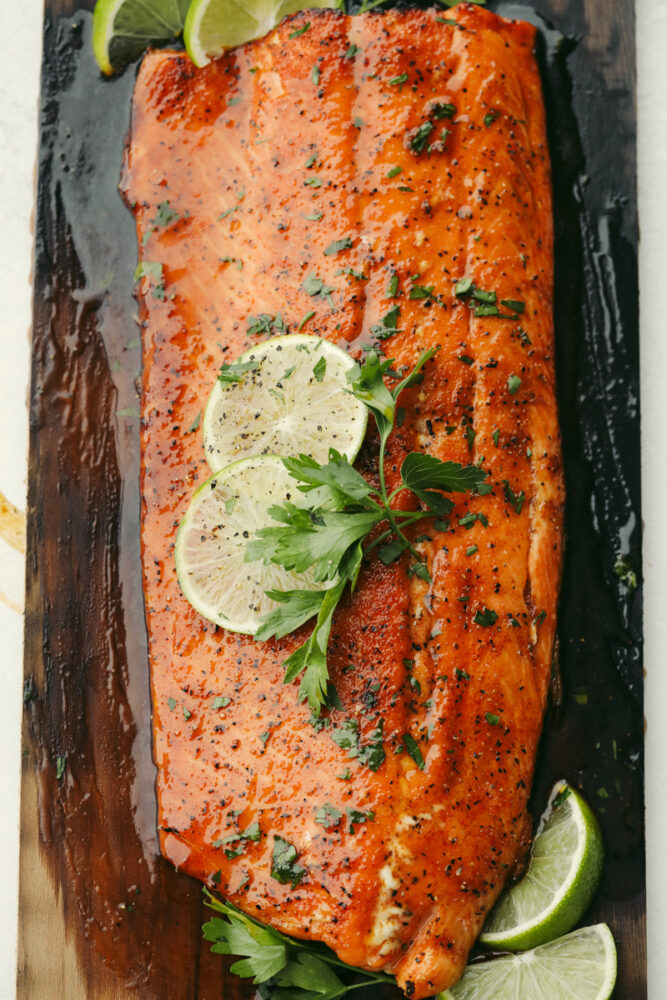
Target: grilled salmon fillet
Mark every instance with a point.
(419, 136)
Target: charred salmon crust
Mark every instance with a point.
(420, 138)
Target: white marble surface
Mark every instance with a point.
(20, 26)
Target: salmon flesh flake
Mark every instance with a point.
(421, 138)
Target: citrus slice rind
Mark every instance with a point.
(212, 26)
(292, 399)
(581, 964)
(210, 545)
(122, 29)
(563, 873)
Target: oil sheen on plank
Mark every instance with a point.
(264, 159)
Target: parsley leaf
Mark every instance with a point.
(418, 140)
(486, 617)
(327, 532)
(284, 868)
(328, 816)
(236, 371)
(343, 244)
(320, 369)
(411, 745)
(290, 970)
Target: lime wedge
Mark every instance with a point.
(122, 29)
(210, 546)
(564, 870)
(215, 25)
(287, 396)
(581, 965)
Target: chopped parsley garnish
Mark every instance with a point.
(343, 244)
(356, 816)
(164, 215)
(251, 833)
(352, 273)
(485, 303)
(304, 319)
(352, 51)
(315, 182)
(221, 702)
(236, 371)
(486, 617)
(469, 519)
(284, 867)
(392, 287)
(319, 371)
(315, 286)
(399, 80)
(315, 74)
(264, 324)
(61, 766)
(412, 747)
(514, 304)
(513, 384)
(422, 292)
(492, 720)
(300, 31)
(152, 269)
(419, 139)
(443, 111)
(517, 501)
(315, 216)
(194, 426)
(328, 816)
(394, 172)
(387, 326)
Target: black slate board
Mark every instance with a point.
(121, 921)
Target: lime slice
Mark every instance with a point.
(564, 870)
(581, 965)
(287, 396)
(122, 29)
(215, 25)
(210, 546)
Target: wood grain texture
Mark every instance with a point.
(101, 914)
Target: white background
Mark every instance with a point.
(20, 29)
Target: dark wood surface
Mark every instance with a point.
(101, 914)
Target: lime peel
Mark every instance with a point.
(563, 873)
(213, 26)
(581, 964)
(122, 29)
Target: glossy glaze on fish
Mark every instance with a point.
(241, 175)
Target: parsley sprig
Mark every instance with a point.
(331, 533)
(283, 967)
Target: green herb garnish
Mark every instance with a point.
(277, 963)
(329, 534)
(343, 244)
(284, 867)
